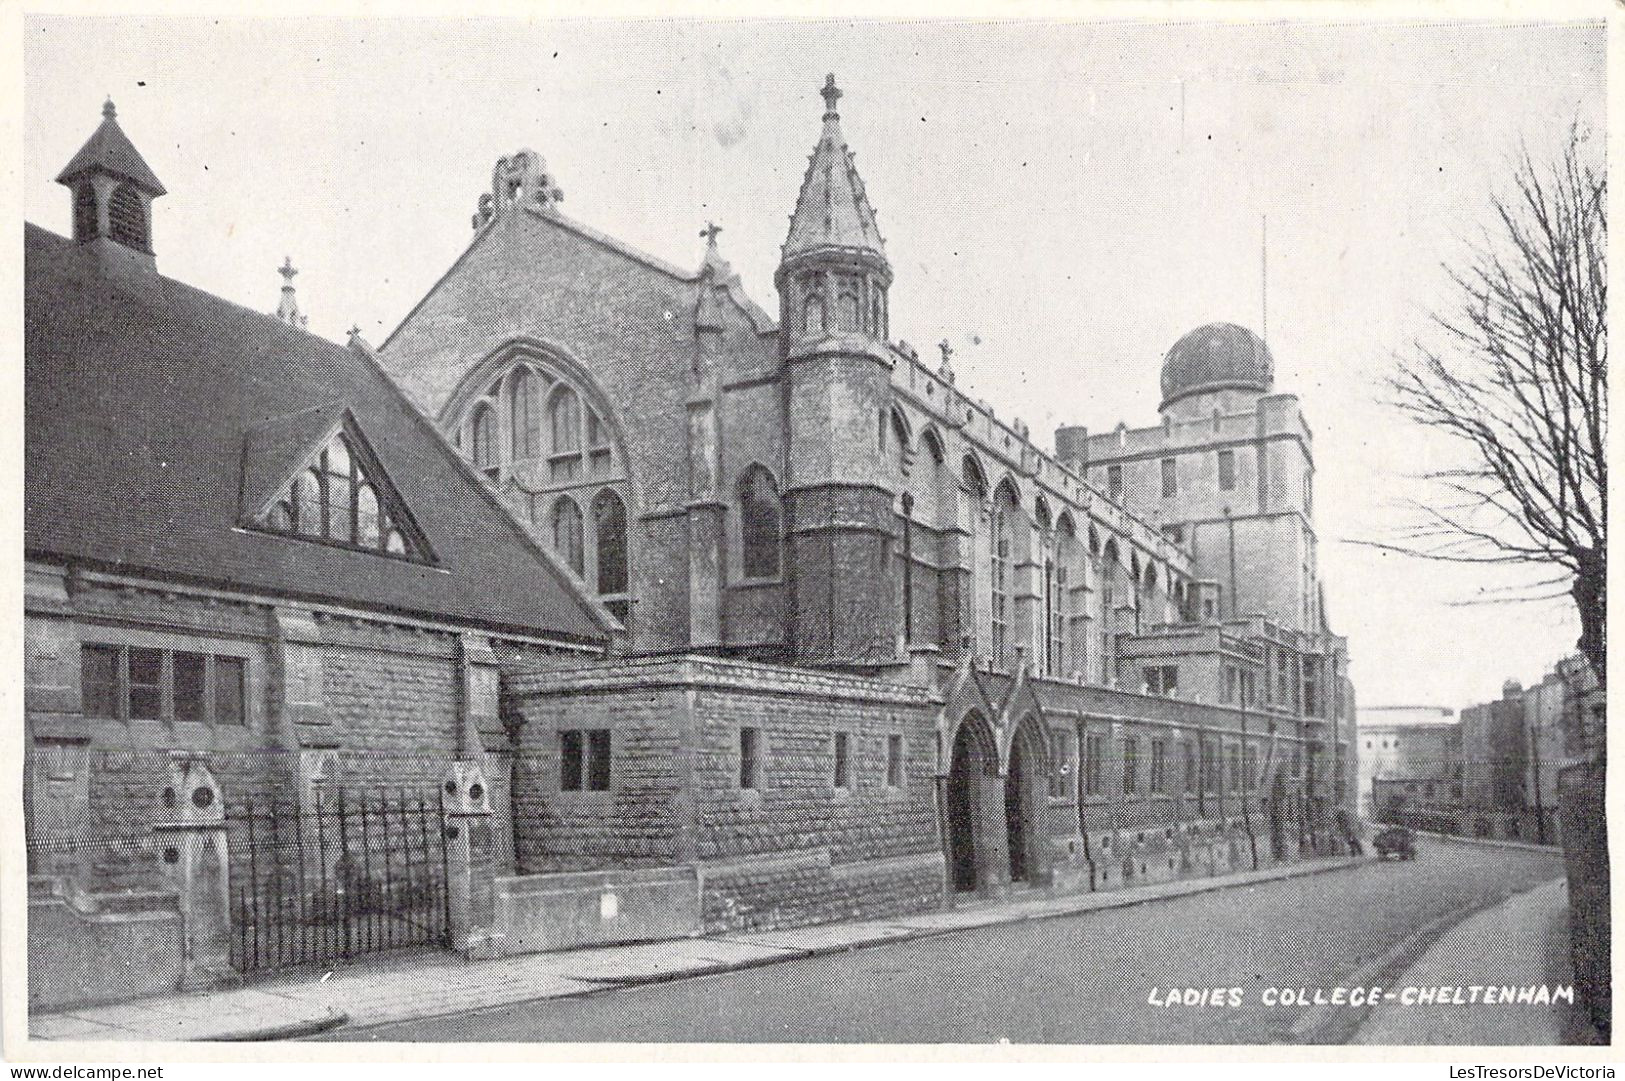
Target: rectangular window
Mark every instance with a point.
(141, 683)
(1093, 752)
(1235, 768)
(1131, 766)
(1227, 470)
(190, 703)
(750, 758)
(1252, 768)
(1161, 679)
(598, 760)
(146, 683)
(843, 760)
(1190, 768)
(1229, 683)
(1114, 483)
(228, 690)
(894, 761)
(1175, 533)
(1061, 763)
(1159, 756)
(584, 760)
(98, 680)
(571, 753)
(1170, 478)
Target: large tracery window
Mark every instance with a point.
(535, 432)
(760, 527)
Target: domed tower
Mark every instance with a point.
(832, 281)
(1218, 366)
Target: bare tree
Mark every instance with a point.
(1516, 372)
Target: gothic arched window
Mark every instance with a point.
(812, 314)
(526, 414)
(483, 439)
(564, 414)
(567, 534)
(609, 530)
(760, 526)
(848, 307)
(127, 218)
(1003, 511)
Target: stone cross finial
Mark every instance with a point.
(947, 350)
(355, 333)
(710, 233)
(287, 271)
(108, 110)
(831, 93)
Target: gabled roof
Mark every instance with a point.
(832, 209)
(142, 397)
(110, 150)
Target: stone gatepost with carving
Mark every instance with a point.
(191, 832)
(470, 860)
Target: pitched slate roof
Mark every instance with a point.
(147, 400)
(110, 150)
(832, 209)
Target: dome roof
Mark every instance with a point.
(1214, 357)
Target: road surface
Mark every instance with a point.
(1097, 977)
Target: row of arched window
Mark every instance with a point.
(596, 552)
(1058, 549)
(544, 419)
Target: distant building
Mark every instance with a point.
(1493, 772)
(1412, 743)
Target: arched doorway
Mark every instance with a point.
(972, 765)
(1016, 813)
(1024, 776)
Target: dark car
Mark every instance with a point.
(1396, 841)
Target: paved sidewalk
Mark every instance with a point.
(391, 989)
(1521, 942)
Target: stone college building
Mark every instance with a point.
(597, 603)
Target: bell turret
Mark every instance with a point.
(113, 188)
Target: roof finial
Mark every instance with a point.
(832, 94)
(288, 310)
(710, 233)
(108, 110)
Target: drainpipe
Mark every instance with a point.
(1082, 788)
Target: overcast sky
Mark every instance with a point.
(1060, 201)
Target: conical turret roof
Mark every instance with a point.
(832, 210)
(109, 150)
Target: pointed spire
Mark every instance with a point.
(832, 209)
(288, 309)
(109, 150)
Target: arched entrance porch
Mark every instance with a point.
(975, 809)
